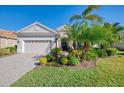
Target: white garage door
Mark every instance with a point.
(37, 46)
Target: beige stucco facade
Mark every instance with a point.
(7, 38)
(7, 42)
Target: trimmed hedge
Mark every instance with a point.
(43, 60)
(64, 61)
(111, 51)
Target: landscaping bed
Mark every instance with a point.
(107, 73)
(7, 51)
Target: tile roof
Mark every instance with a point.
(8, 34)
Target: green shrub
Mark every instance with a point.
(74, 61)
(43, 60)
(7, 51)
(12, 49)
(59, 51)
(111, 51)
(49, 57)
(70, 50)
(91, 55)
(74, 52)
(104, 45)
(64, 61)
(4, 51)
(100, 52)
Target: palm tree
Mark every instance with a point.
(83, 21)
(72, 33)
(115, 29)
(86, 15)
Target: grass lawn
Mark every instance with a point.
(108, 72)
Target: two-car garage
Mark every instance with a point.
(37, 46)
(36, 38)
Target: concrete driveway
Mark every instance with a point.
(14, 67)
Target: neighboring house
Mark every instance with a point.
(120, 45)
(7, 39)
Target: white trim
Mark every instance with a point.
(6, 41)
(59, 28)
(23, 42)
(23, 46)
(37, 23)
(37, 38)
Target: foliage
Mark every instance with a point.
(4, 51)
(43, 60)
(70, 50)
(7, 51)
(59, 51)
(120, 52)
(91, 55)
(111, 51)
(72, 32)
(86, 15)
(49, 57)
(12, 49)
(64, 61)
(108, 73)
(100, 52)
(74, 60)
(74, 52)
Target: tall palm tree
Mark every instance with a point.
(83, 20)
(86, 15)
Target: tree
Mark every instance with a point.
(86, 15)
(115, 29)
(73, 33)
(83, 21)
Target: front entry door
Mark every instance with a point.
(64, 46)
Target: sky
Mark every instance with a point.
(14, 18)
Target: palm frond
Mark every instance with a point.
(90, 8)
(94, 18)
(75, 17)
(117, 27)
(116, 24)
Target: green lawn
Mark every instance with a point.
(108, 72)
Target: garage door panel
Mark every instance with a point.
(36, 46)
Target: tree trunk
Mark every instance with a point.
(85, 50)
(74, 45)
(71, 44)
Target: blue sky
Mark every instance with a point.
(16, 17)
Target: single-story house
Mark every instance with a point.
(38, 38)
(7, 39)
(120, 45)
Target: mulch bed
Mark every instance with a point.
(84, 65)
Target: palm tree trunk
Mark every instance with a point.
(85, 50)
